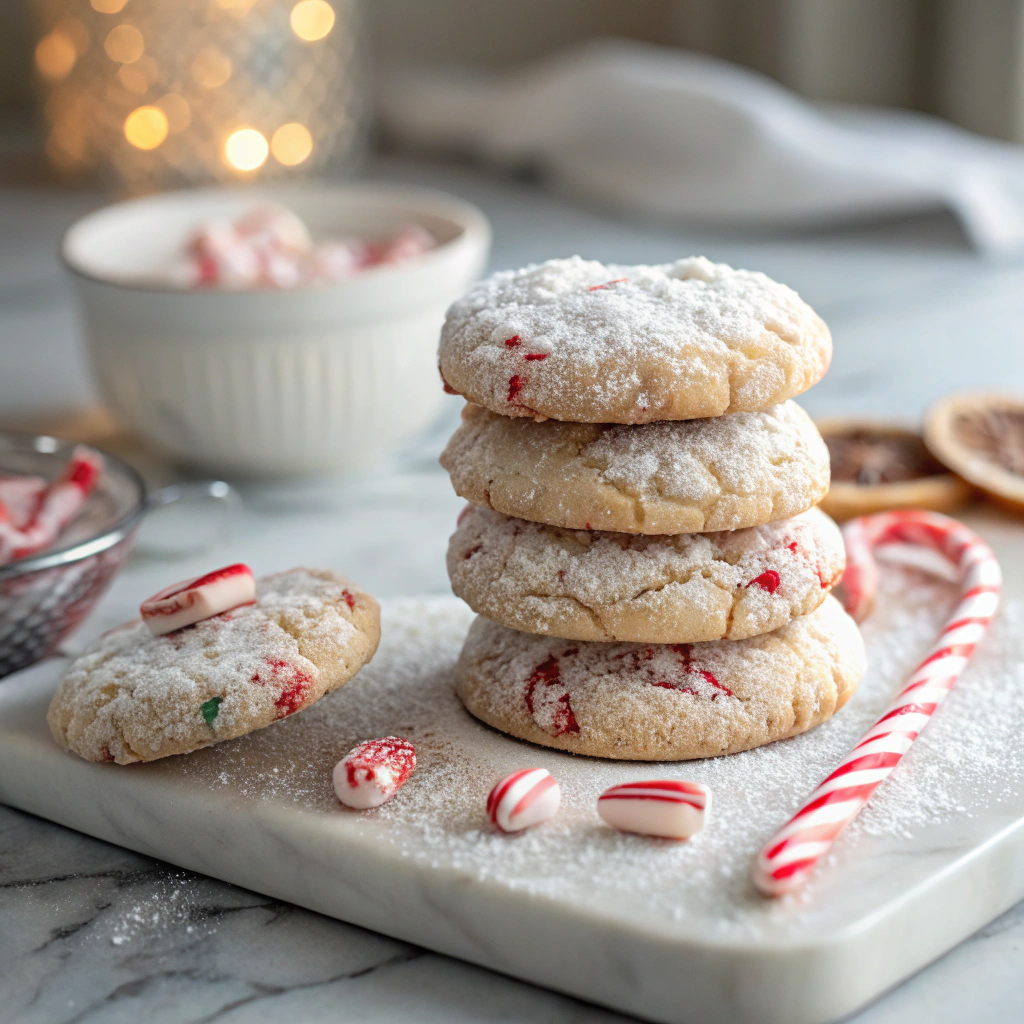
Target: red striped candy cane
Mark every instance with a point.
(796, 848)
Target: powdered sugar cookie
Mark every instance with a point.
(585, 585)
(137, 697)
(572, 339)
(663, 702)
(690, 476)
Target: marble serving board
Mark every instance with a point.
(667, 931)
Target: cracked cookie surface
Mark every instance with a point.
(689, 476)
(599, 586)
(668, 702)
(135, 697)
(577, 340)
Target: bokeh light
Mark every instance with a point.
(312, 19)
(179, 113)
(211, 68)
(108, 6)
(55, 55)
(146, 127)
(291, 144)
(246, 149)
(133, 79)
(124, 44)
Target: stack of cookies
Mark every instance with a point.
(641, 544)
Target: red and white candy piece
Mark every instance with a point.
(791, 855)
(53, 509)
(522, 799)
(373, 772)
(669, 808)
(20, 499)
(184, 604)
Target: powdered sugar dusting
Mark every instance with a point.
(688, 476)
(744, 453)
(602, 586)
(631, 344)
(972, 746)
(134, 696)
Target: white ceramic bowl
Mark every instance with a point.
(275, 381)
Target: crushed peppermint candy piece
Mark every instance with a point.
(270, 247)
(371, 773)
(524, 798)
(32, 519)
(191, 601)
(669, 808)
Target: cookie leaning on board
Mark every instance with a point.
(240, 655)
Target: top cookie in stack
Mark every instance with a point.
(636, 472)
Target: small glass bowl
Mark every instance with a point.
(45, 596)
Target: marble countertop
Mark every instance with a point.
(91, 932)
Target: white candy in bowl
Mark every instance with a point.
(320, 367)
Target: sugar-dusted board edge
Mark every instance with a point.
(334, 865)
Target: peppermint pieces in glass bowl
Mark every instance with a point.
(69, 522)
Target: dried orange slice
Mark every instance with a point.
(878, 466)
(981, 437)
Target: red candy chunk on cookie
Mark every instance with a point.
(371, 774)
(191, 601)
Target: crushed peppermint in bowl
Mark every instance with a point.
(68, 517)
(284, 330)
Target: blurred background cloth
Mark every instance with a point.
(661, 132)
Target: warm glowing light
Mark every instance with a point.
(312, 19)
(76, 32)
(133, 79)
(148, 67)
(124, 44)
(70, 138)
(291, 144)
(108, 6)
(246, 149)
(179, 114)
(146, 127)
(55, 55)
(211, 69)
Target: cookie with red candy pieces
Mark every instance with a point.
(133, 696)
(578, 340)
(662, 702)
(593, 585)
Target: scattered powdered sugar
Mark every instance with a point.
(520, 339)
(972, 746)
(173, 904)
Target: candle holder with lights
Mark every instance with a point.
(158, 94)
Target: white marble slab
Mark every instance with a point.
(670, 932)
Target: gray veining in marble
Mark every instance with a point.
(91, 932)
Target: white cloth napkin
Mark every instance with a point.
(663, 132)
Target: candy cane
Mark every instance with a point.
(796, 848)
